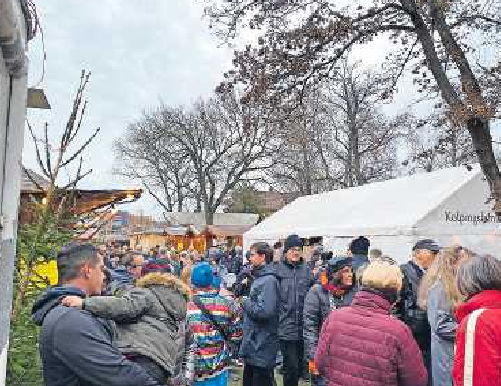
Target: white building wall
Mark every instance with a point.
(13, 95)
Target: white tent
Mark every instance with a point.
(449, 205)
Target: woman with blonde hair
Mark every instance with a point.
(439, 296)
(363, 344)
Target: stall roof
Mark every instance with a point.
(390, 207)
(220, 219)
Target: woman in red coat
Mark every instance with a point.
(363, 344)
(478, 342)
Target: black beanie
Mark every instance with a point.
(360, 246)
(291, 242)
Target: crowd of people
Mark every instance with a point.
(129, 318)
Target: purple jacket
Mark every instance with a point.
(362, 345)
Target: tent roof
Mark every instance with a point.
(388, 207)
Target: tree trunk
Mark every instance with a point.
(209, 216)
(482, 143)
(20, 298)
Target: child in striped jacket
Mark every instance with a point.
(216, 328)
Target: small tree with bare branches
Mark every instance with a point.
(54, 213)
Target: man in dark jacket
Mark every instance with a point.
(359, 249)
(260, 340)
(76, 347)
(423, 255)
(295, 279)
(334, 291)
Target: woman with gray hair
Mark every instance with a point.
(478, 339)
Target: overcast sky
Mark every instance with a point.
(139, 52)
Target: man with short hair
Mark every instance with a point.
(76, 347)
(295, 279)
(424, 253)
(375, 254)
(260, 339)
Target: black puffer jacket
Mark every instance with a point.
(294, 282)
(317, 306)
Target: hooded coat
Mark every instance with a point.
(485, 353)
(151, 319)
(77, 348)
(294, 281)
(259, 345)
(362, 345)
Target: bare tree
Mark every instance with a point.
(150, 156)
(339, 136)
(56, 209)
(362, 137)
(438, 144)
(299, 43)
(207, 150)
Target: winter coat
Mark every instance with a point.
(294, 282)
(241, 289)
(260, 329)
(121, 280)
(151, 319)
(486, 353)
(359, 262)
(363, 345)
(317, 306)
(77, 348)
(408, 309)
(210, 350)
(443, 332)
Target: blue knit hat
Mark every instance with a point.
(201, 275)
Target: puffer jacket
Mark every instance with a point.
(484, 350)
(358, 263)
(317, 306)
(151, 319)
(362, 345)
(259, 345)
(294, 282)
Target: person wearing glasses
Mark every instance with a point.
(295, 279)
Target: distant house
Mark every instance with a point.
(189, 230)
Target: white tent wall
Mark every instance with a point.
(393, 214)
(466, 219)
